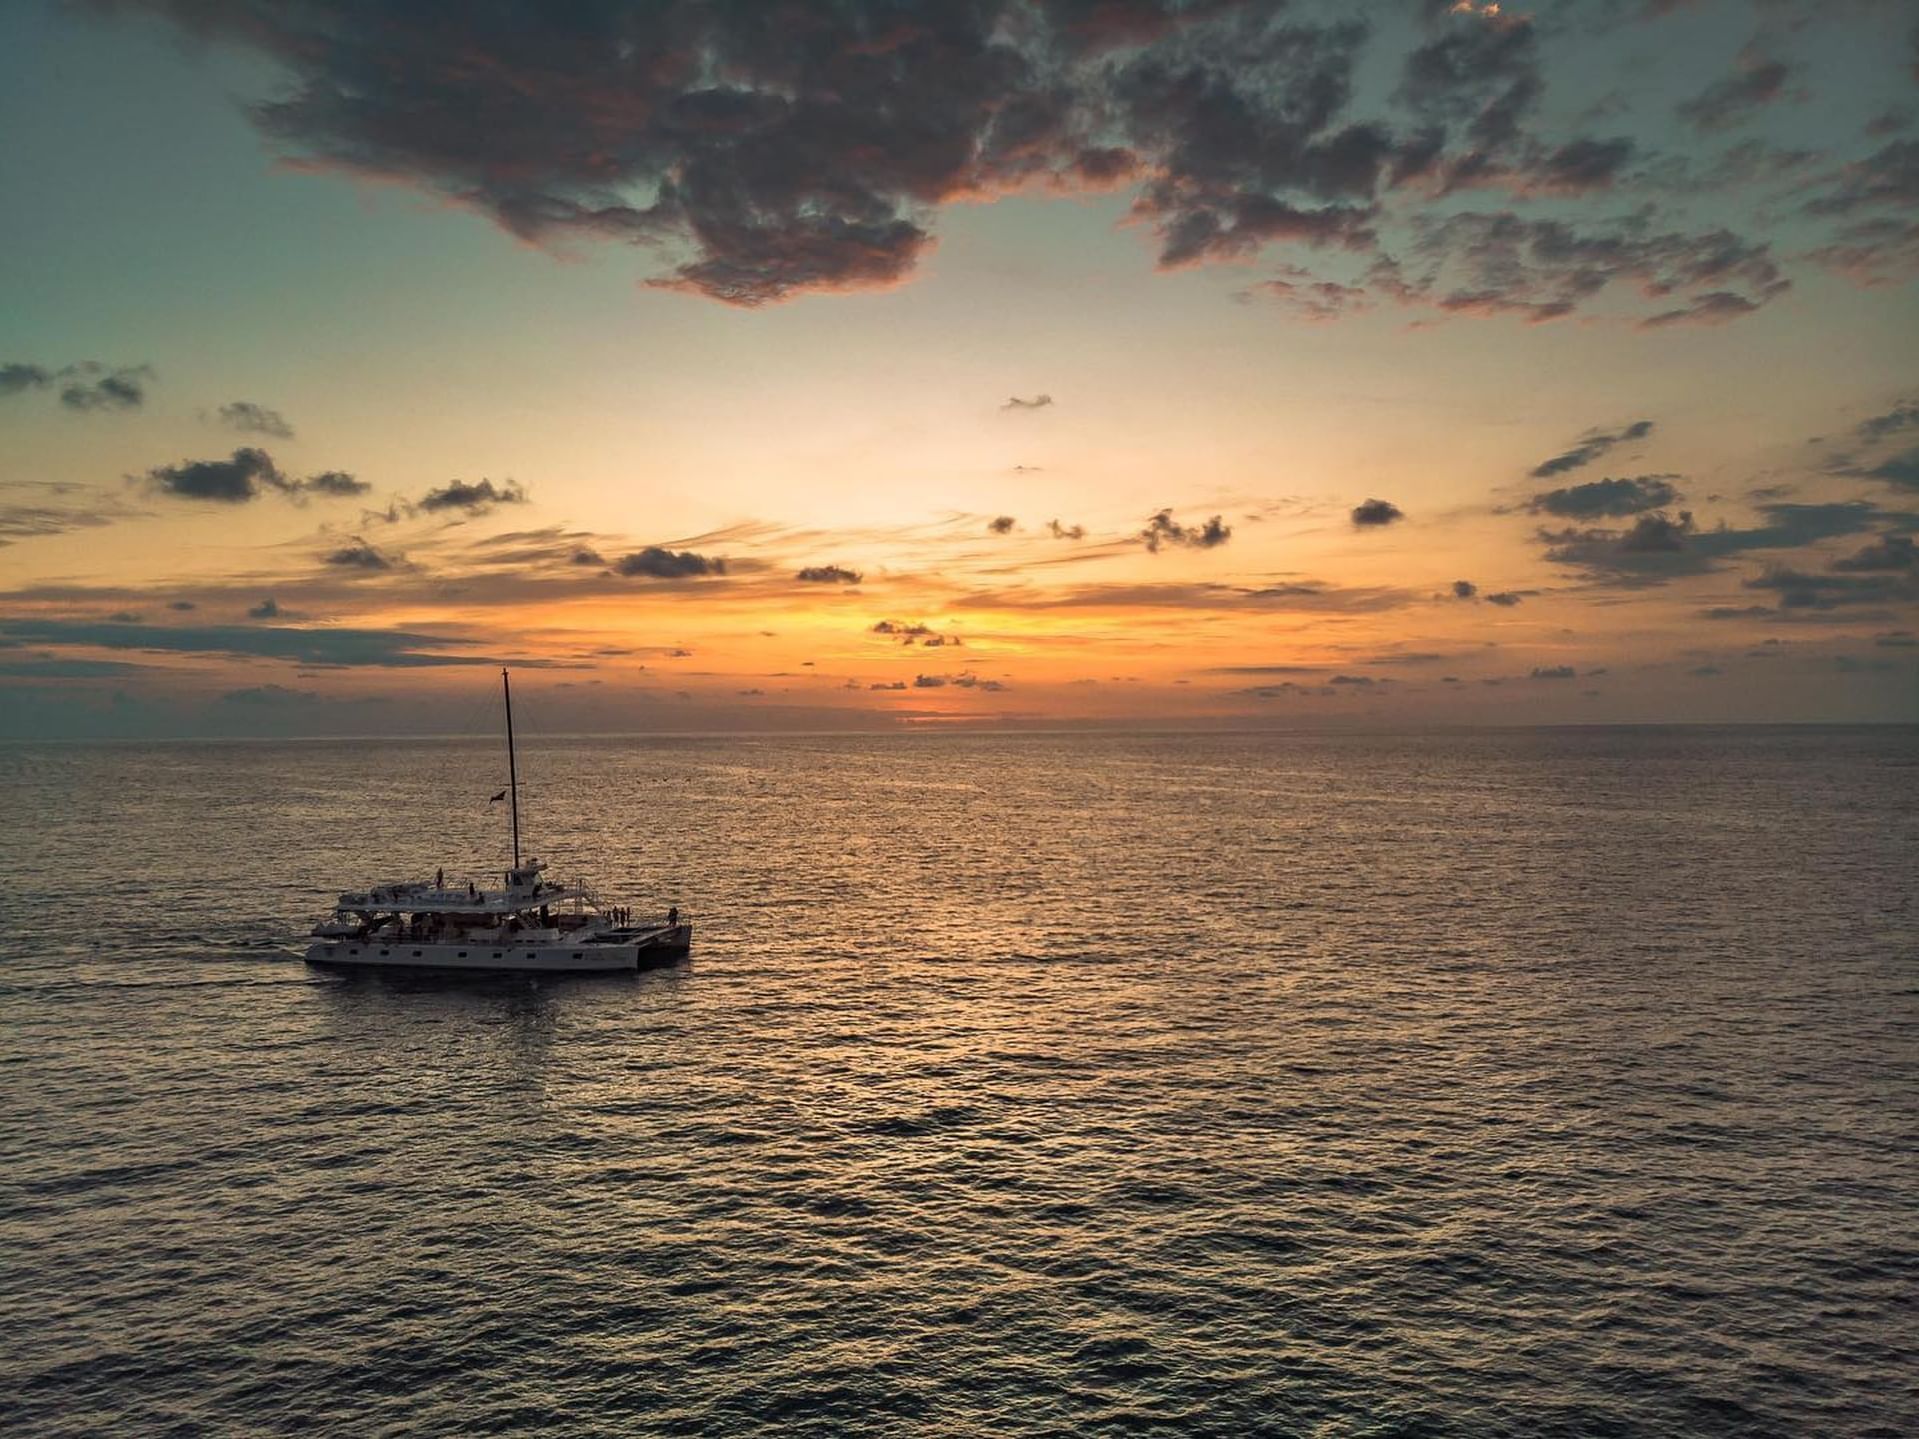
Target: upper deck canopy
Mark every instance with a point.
(524, 890)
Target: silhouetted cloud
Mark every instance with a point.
(243, 476)
(1038, 402)
(1890, 552)
(1901, 417)
(1757, 82)
(657, 563)
(85, 386)
(246, 474)
(1505, 599)
(1554, 672)
(48, 668)
(888, 685)
(328, 647)
(915, 633)
(1608, 498)
(1001, 525)
(1162, 529)
(1658, 547)
(1798, 590)
(17, 376)
(1065, 532)
(828, 575)
(32, 509)
(1589, 448)
(474, 498)
(335, 484)
(252, 419)
(1889, 178)
(1373, 513)
(1901, 470)
(358, 556)
(810, 155)
(1305, 597)
(1464, 590)
(267, 609)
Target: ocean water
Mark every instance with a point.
(1519, 1083)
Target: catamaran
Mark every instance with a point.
(529, 923)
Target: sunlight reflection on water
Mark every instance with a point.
(1521, 1083)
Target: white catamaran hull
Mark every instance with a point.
(595, 957)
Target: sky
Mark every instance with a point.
(761, 367)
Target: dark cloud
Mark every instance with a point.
(658, 563)
(965, 681)
(42, 509)
(1162, 529)
(252, 419)
(888, 685)
(267, 609)
(586, 555)
(246, 474)
(473, 498)
(1715, 307)
(323, 647)
(1755, 83)
(772, 152)
(1464, 590)
(358, 556)
(1901, 470)
(96, 387)
(1872, 252)
(1505, 599)
(1038, 402)
(243, 476)
(1065, 532)
(48, 668)
(1892, 552)
(1001, 525)
(828, 575)
(1554, 672)
(85, 386)
(1887, 178)
(1658, 547)
(1901, 417)
(1305, 597)
(915, 632)
(1589, 448)
(334, 484)
(1373, 513)
(1503, 263)
(1607, 499)
(1798, 590)
(182, 605)
(16, 377)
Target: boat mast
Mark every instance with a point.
(512, 772)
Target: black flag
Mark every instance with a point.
(498, 797)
